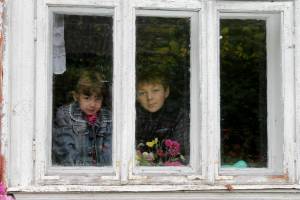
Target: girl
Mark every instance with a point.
(82, 130)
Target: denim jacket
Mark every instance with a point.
(77, 143)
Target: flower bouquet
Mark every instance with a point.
(3, 193)
(159, 153)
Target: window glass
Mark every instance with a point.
(243, 93)
(82, 83)
(162, 91)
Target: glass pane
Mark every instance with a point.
(163, 92)
(82, 83)
(243, 93)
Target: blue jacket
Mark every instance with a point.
(77, 143)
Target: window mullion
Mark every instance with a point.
(297, 79)
(21, 84)
(117, 95)
(128, 90)
(213, 82)
(289, 92)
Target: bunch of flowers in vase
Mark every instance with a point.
(159, 153)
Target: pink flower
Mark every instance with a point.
(173, 147)
(172, 163)
(2, 189)
(168, 142)
(91, 119)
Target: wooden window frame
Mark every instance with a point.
(27, 93)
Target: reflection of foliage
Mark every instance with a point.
(164, 44)
(243, 91)
(88, 42)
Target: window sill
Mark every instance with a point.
(140, 192)
(155, 188)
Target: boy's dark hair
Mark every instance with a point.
(90, 82)
(152, 75)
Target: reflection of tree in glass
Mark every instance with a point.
(164, 43)
(243, 92)
(88, 42)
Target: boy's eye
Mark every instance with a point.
(156, 90)
(85, 97)
(99, 98)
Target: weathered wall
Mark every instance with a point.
(270, 194)
(1, 81)
(1, 51)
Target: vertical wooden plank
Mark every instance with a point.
(1, 70)
(204, 91)
(297, 80)
(21, 91)
(4, 84)
(288, 81)
(41, 93)
(213, 92)
(117, 88)
(2, 161)
(128, 90)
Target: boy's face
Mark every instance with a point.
(152, 96)
(90, 105)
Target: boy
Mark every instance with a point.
(82, 130)
(157, 117)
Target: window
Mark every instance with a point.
(82, 66)
(162, 81)
(243, 93)
(249, 93)
(249, 81)
(214, 79)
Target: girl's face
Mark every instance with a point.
(90, 105)
(152, 96)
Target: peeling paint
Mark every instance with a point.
(137, 182)
(1, 66)
(283, 177)
(229, 187)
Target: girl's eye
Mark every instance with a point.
(156, 90)
(141, 93)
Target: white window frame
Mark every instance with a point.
(297, 84)
(27, 92)
(280, 93)
(157, 174)
(274, 96)
(45, 173)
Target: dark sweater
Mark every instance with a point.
(170, 122)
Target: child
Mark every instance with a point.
(82, 130)
(157, 117)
